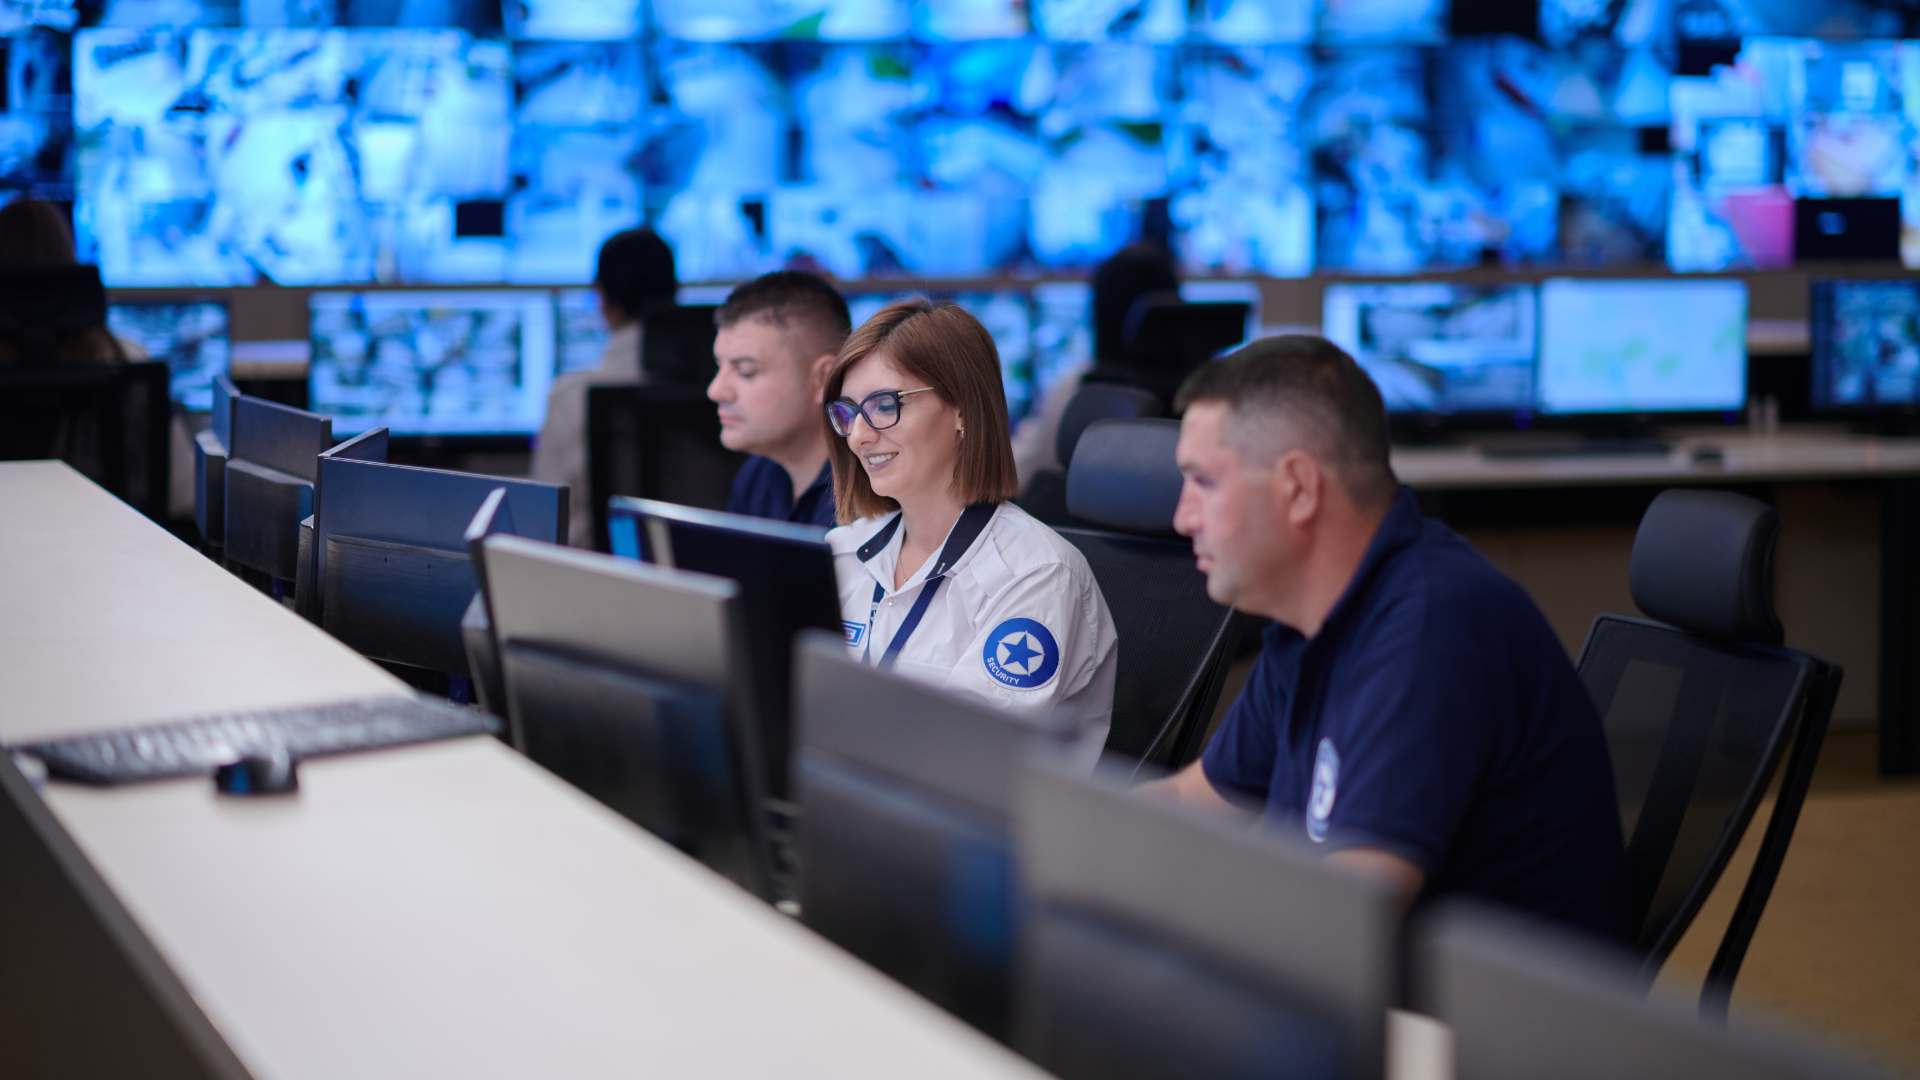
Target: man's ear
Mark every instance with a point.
(817, 376)
(1299, 486)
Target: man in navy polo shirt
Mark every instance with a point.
(778, 336)
(1412, 712)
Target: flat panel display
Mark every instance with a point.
(1866, 345)
(230, 157)
(36, 112)
(1642, 346)
(192, 337)
(432, 363)
(1439, 348)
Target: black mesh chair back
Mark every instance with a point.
(1699, 709)
(1175, 642)
(44, 309)
(109, 421)
(1046, 494)
(676, 348)
(655, 442)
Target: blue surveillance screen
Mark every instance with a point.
(1866, 345)
(191, 337)
(230, 157)
(1649, 345)
(36, 114)
(432, 363)
(1439, 348)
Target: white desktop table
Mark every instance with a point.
(448, 910)
(1804, 456)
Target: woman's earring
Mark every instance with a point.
(963, 433)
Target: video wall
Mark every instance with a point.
(322, 142)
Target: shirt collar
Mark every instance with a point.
(1397, 531)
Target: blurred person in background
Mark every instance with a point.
(779, 334)
(941, 577)
(634, 276)
(35, 234)
(1132, 272)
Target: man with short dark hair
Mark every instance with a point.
(778, 336)
(1412, 711)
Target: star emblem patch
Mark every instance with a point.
(1021, 653)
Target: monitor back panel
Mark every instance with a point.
(1215, 894)
(390, 554)
(1525, 1001)
(787, 585)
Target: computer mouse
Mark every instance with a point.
(1709, 454)
(258, 774)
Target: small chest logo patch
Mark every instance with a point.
(855, 631)
(1326, 782)
(1022, 654)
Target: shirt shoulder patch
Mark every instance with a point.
(1021, 653)
(1326, 784)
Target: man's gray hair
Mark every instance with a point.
(1298, 391)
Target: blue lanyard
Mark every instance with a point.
(973, 521)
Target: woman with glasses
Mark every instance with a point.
(942, 579)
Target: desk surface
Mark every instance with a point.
(109, 621)
(1745, 459)
(447, 910)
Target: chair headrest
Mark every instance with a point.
(1703, 561)
(1123, 476)
(1100, 401)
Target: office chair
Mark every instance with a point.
(676, 345)
(1175, 642)
(905, 846)
(655, 442)
(1699, 707)
(109, 421)
(1046, 494)
(1164, 338)
(1158, 943)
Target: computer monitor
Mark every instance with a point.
(620, 678)
(432, 363)
(1439, 349)
(1866, 346)
(273, 461)
(582, 330)
(905, 844)
(190, 336)
(1525, 1000)
(1161, 942)
(1646, 346)
(392, 573)
(786, 581)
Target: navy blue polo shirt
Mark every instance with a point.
(763, 489)
(1435, 716)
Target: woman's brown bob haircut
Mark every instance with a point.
(935, 344)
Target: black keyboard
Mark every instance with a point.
(188, 747)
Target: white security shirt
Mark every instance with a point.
(1018, 622)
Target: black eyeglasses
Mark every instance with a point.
(881, 408)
